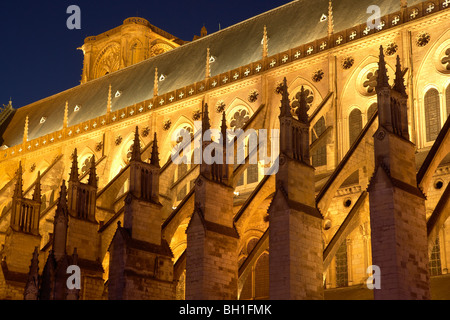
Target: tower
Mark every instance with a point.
(132, 42)
(295, 235)
(139, 242)
(81, 204)
(53, 281)
(397, 206)
(22, 237)
(212, 240)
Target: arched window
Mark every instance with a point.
(319, 157)
(432, 114)
(354, 125)
(447, 99)
(371, 111)
(342, 266)
(262, 277)
(435, 259)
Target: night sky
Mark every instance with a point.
(38, 53)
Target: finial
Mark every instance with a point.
(18, 192)
(155, 84)
(265, 43)
(403, 3)
(302, 110)
(330, 19)
(205, 118)
(223, 129)
(62, 201)
(119, 224)
(203, 31)
(208, 67)
(25, 130)
(136, 152)
(92, 173)
(399, 82)
(37, 188)
(33, 274)
(154, 159)
(285, 109)
(66, 115)
(109, 103)
(74, 169)
(383, 79)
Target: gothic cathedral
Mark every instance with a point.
(361, 190)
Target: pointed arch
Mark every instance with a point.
(432, 108)
(355, 125)
(108, 60)
(296, 85)
(236, 104)
(135, 51)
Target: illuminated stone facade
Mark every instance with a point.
(150, 229)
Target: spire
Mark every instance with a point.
(203, 32)
(330, 19)
(285, 109)
(66, 115)
(32, 285)
(302, 110)
(92, 173)
(265, 43)
(208, 67)
(37, 188)
(18, 192)
(25, 131)
(205, 119)
(109, 103)
(155, 84)
(74, 169)
(60, 224)
(399, 83)
(154, 159)
(223, 129)
(61, 206)
(136, 151)
(383, 79)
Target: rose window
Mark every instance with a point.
(446, 59)
(371, 82)
(240, 118)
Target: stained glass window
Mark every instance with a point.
(262, 277)
(432, 114)
(342, 266)
(435, 259)
(354, 125)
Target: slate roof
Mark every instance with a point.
(288, 26)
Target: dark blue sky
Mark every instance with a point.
(38, 55)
